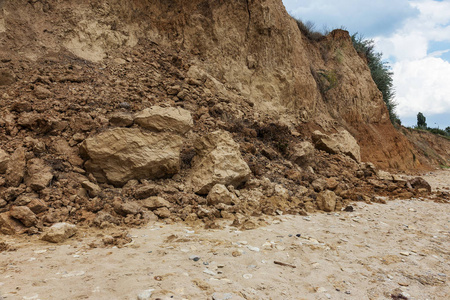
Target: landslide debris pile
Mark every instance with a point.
(146, 134)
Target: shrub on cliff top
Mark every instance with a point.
(381, 73)
(307, 29)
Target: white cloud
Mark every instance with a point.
(422, 86)
(366, 17)
(420, 75)
(413, 34)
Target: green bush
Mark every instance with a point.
(381, 73)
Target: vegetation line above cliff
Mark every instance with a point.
(381, 73)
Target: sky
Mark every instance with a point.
(414, 37)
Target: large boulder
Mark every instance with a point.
(172, 119)
(218, 161)
(338, 143)
(121, 154)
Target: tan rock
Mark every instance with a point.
(319, 184)
(383, 175)
(127, 208)
(93, 189)
(172, 119)
(332, 183)
(218, 161)
(153, 203)
(4, 159)
(39, 175)
(24, 215)
(220, 194)
(302, 152)
(146, 191)
(326, 201)
(341, 142)
(41, 92)
(420, 183)
(162, 212)
(37, 205)
(9, 225)
(121, 119)
(122, 154)
(16, 168)
(59, 232)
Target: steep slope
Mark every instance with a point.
(251, 49)
(118, 112)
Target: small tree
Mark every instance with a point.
(447, 130)
(421, 121)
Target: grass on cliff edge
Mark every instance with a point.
(380, 70)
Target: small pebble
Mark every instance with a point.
(247, 276)
(194, 257)
(145, 295)
(251, 248)
(298, 235)
(209, 272)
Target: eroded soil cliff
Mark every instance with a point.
(301, 121)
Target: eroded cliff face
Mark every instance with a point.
(251, 50)
(121, 112)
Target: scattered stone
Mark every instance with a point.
(319, 184)
(153, 203)
(172, 119)
(302, 153)
(326, 201)
(218, 161)
(59, 232)
(93, 189)
(7, 77)
(220, 194)
(122, 154)
(146, 191)
(4, 159)
(42, 93)
(405, 253)
(209, 272)
(16, 168)
(126, 208)
(348, 208)
(247, 276)
(225, 296)
(162, 212)
(194, 257)
(341, 142)
(9, 225)
(24, 215)
(419, 183)
(121, 119)
(251, 248)
(39, 175)
(145, 295)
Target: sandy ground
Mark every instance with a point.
(396, 250)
